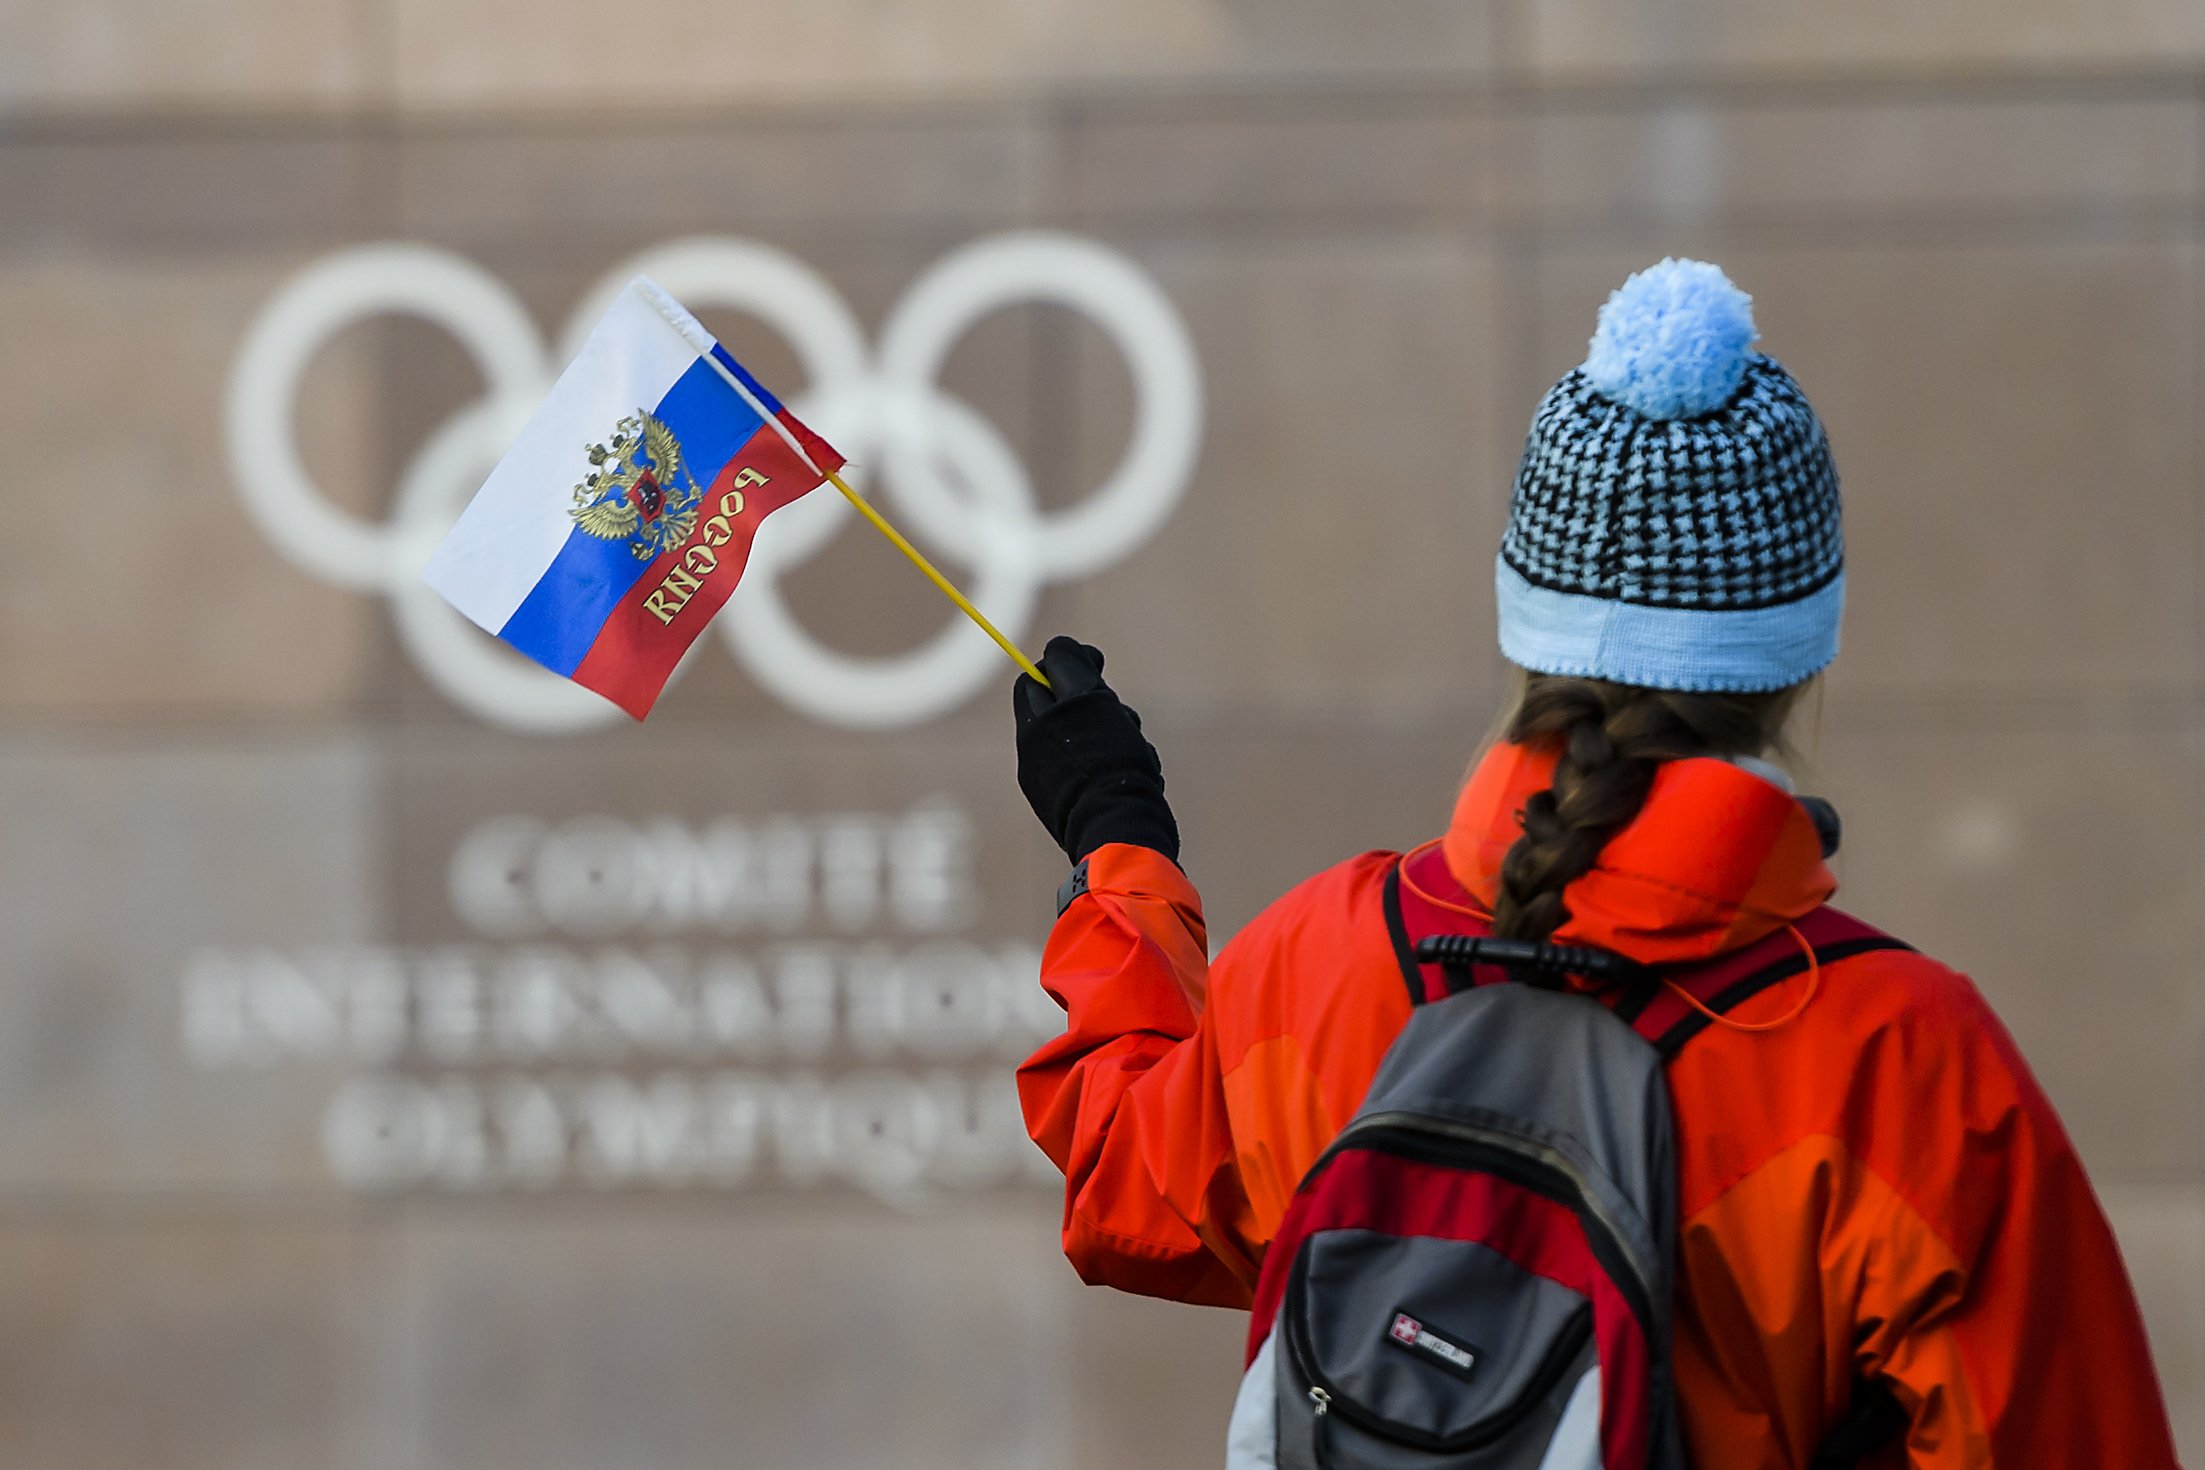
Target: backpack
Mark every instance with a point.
(1477, 1272)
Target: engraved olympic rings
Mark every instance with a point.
(956, 481)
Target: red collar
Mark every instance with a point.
(1717, 858)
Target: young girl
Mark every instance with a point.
(1873, 1194)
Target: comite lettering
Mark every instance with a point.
(702, 558)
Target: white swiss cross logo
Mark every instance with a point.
(1406, 1328)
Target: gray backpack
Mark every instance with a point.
(1476, 1274)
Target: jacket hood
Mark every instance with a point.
(1717, 857)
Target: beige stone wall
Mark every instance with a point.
(1971, 230)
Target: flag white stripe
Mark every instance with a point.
(515, 527)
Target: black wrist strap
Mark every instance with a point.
(1072, 887)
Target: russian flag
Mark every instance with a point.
(621, 519)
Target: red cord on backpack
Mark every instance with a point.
(1814, 984)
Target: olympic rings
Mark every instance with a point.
(318, 303)
(1144, 488)
(949, 468)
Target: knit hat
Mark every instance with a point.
(1675, 518)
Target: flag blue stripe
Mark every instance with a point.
(773, 404)
(562, 616)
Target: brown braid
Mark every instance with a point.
(1611, 738)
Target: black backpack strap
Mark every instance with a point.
(1397, 930)
(1667, 1019)
(1440, 950)
(1412, 918)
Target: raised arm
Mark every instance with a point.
(1129, 1101)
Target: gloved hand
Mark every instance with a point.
(1086, 769)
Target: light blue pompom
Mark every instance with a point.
(1672, 341)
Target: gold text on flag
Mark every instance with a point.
(682, 580)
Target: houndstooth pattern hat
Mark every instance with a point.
(1675, 520)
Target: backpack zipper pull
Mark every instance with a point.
(1318, 1437)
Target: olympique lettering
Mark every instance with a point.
(703, 557)
(900, 1138)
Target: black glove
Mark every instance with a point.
(1085, 767)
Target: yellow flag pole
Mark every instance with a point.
(682, 322)
(949, 590)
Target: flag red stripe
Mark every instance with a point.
(662, 614)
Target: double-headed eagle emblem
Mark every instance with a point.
(638, 490)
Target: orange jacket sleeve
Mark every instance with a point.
(1188, 1096)
(1129, 1101)
(2007, 1324)
(1934, 1230)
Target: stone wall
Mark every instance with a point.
(249, 1219)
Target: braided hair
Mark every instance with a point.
(1611, 738)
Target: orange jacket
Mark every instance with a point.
(1875, 1188)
